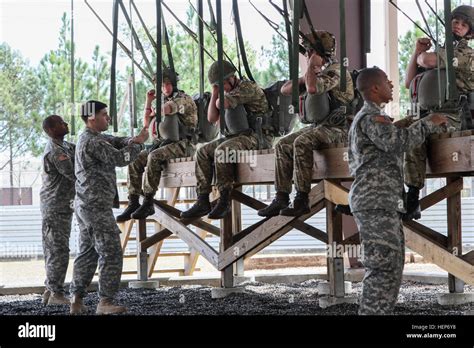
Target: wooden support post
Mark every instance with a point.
(142, 256)
(335, 262)
(456, 285)
(227, 274)
(236, 228)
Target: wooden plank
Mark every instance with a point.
(191, 259)
(442, 193)
(239, 267)
(469, 257)
(450, 155)
(426, 232)
(265, 231)
(335, 193)
(227, 273)
(186, 235)
(178, 175)
(297, 224)
(126, 228)
(314, 210)
(439, 256)
(155, 238)
(142, 255)
(335, 264)
(195, 222)
(454, 233)
(354, 239)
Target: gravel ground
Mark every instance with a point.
(259, 299)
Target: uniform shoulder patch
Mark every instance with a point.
(62, 157)
(381, 119)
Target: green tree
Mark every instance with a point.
(20, 99)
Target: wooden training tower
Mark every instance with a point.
(451, 156)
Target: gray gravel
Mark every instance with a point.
(259, 299)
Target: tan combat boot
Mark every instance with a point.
(77, 306)
(58, 299)
(106, 306)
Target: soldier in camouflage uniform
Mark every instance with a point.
(97, 155)
(177, 106)
(294, 153)
(376, 198)
(238, 95)
(56, 201)
(459, 117)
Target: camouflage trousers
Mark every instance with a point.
(151, 164)
(294, 155)
(223, 153)
(56, 233)
(415, 159)
(99, 243)
(383, 245)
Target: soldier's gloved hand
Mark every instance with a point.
(141, 137)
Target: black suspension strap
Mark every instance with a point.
(132, 86)
(434, 12)
(188, 30)
(451, 89)
(136, 38)
(122, 46)
(343, 50)
(159, 63)
(147, 32)
(168, 45)
(297, 6)
(220, 66)
(211, 14)
(235, 8)
(423, 16)
(73, 119)
(113, 91)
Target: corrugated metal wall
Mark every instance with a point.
(20, 231)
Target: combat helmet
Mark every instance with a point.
(213, 73)
(466, 13)
(323, 42)
(168, 75)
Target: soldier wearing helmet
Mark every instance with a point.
(172, 139)
(294, 153)
(460, 117)
(244, 103)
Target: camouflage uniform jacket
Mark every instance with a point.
(376, 148)
(328, 80)
(250, 95)
(57, 191)
(97, 155)
(463, 65)
(182, 105)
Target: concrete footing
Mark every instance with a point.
(328, 301)
(146, 284)
(324, 288)
(455, 299)
(224, 292)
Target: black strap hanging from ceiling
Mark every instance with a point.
(220, 66)
(297, 7)
(136, 38)
(235, 8)
(159, 63)
(73, 119)
(201, 54)
(343, 53)
(132, 87)
(168, 45)
(113, 90)
(434, 12)
(451, 90)
(211, 14)
(188, 30)
(147, 32)
(122, 46)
